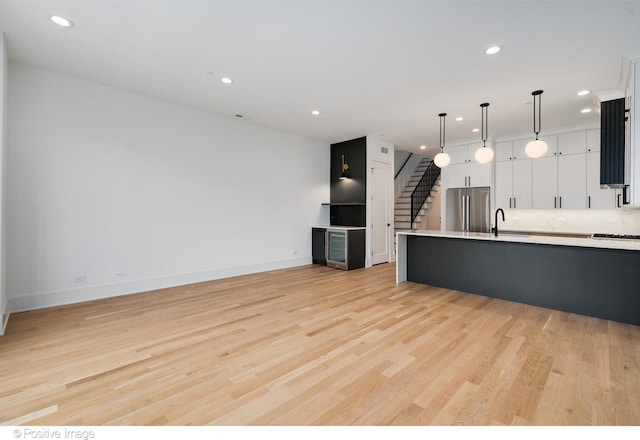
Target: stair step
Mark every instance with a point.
(407, 225)
(409, 201)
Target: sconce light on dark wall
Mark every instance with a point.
(345, 167)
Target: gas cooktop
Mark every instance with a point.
(617, 236)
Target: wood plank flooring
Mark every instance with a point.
(316, 346)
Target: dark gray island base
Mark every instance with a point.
(591, 281)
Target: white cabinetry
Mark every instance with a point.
(593, 141)
(598, 198)
(560, 177)
(513, 175)
(545, 182)
(572, 181)
(464, 171)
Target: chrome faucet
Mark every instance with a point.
(496, 220)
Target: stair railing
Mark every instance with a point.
(423, 189)
(402, 167)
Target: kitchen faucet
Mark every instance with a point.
(496, 220)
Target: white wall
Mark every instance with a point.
(105, 182)
(4, 316)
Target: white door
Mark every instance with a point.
(380, 222)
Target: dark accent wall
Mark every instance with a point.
(354, 189)
(349, 196)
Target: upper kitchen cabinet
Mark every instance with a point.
(464, 171)
(593, 140)
(511, 150)
(572, 143)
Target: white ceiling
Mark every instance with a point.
(377, 68)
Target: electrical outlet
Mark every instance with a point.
(118, 275)
(611, 220)
(80, 279)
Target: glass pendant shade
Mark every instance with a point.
(442, 160)
(536, 149)
(484, 155)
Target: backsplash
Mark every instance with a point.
(590, 221)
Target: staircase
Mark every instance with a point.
(402, 212)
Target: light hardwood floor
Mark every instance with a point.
(316, 346)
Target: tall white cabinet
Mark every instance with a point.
(513, 175)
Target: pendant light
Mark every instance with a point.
(536, 148)
(442, 159)
(484, 154)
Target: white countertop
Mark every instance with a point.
(533, 239)
(345, 228)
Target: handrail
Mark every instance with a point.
(423, 189)
(405, 162)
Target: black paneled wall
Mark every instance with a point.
(349, 196)
(612, 134)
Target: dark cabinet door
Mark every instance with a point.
(356, 249)
(317, 245)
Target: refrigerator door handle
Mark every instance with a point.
(468, 213)
(464, 211)
(465, 214)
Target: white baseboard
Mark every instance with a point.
(3, 324)
(43, 300)
(4, 316)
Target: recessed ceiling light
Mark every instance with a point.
(493, 50)
(315, 112)
(423, 147)
(459, 118)
(226, 80)
(583, 92)
(475, 130)
(61, 21)
(585, 110)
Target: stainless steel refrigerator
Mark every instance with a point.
(468, 209)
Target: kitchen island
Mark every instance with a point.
(599, 278)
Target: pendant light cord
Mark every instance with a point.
(485, 123)
(442, 130)
(536, 128)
